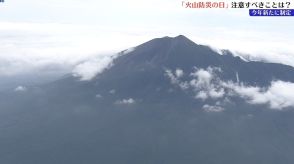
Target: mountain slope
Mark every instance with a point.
(145, 109)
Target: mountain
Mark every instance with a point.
(168, 100)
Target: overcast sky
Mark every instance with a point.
(35, 34)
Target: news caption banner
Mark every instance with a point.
(255, 8)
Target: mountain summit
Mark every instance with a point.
(178, 51)
(168, 100)
(150, 60)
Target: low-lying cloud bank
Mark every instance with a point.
(278, 95)
(206, 84)
(52, 48)
(88, 69)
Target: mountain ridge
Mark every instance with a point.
(163, 102)
(186, 54)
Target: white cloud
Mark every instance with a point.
(210, 108)
(201, 95)
(256, 44)
(204, 77)
(125, 101)
(215, 94)
(98, 96)
(32, 47)
(20, 89)
(175, 78)
(113, 91)
(179, 73)
(206, 85)
(202, 83)
(278, 95)
(90, 68)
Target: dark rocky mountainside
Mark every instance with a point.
(168, 100)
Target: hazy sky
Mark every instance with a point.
(34, 34)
